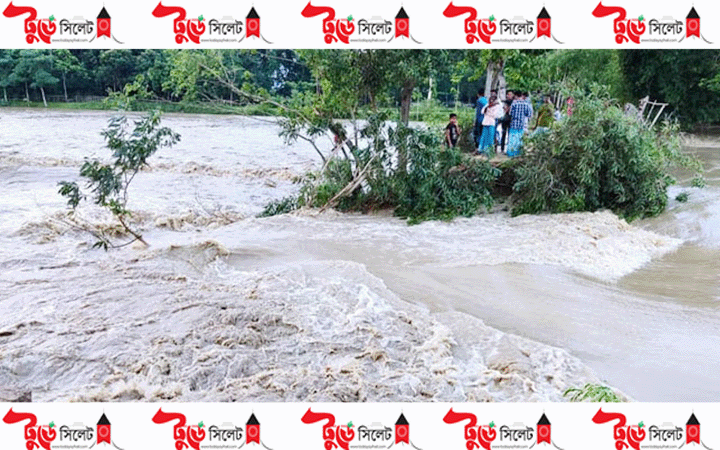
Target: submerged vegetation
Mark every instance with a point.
(435, 182)
(597, 158)
(109, 183)
(600, 158)
(362, 102)
(592, 393)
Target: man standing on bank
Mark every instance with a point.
(505, 122)
(520, 113)
(479, 105)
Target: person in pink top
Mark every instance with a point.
(492, 111)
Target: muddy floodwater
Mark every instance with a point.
(335, 307)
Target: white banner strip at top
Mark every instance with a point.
(300, 24)
(343, 426)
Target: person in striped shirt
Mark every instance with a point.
(520, 113)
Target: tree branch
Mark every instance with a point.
(127, 228)
(312, 142)
(350, 187)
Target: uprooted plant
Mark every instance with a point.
(108, 183)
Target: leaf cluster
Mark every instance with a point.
(443, 184)
(599, 158)
(108, 183)
(438, 183)
(593, 393)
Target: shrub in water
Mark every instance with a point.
(442, 184)
(108, 183)
(438, 183)
(592, 393)
(599, 158)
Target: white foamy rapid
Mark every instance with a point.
(333, 307)
(182, 323)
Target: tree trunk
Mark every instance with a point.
(42, 91)
(489, 78)
(65, 88)
(498, 69)
(430, 86)
(27, 93)
(501, 83)
(495, 78)
(406, 100)
(5, 93)
(457, 96)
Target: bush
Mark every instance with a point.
(593, 393)
(598, 158)
(281, 206)
(438, 183)
(443, 184)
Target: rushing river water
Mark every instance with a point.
(226, 306)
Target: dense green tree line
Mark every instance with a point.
(184, 75)
(686, 79)
(449, 76)
(689, 80)
(71, 73)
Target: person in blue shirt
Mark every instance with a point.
(479, 105)
(520, 113)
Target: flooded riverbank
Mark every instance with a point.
(339, 307)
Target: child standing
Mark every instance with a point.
(452, 132)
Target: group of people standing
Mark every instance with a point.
(513, 115)
(502, 123)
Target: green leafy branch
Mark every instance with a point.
(593, 393)
(109, 183)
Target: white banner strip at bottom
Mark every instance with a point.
(356, 426)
